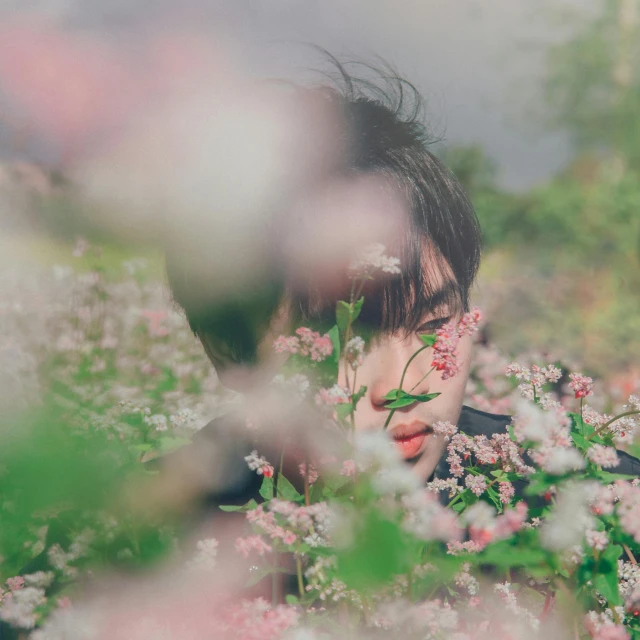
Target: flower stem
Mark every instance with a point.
(299, 574)
(404, 373)
(600, 429)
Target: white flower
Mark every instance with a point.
(375, 449)
(606, 457)
(479, 516)
(398, 479)
(564, 527)
(296, 386)
(560, 460)
(597, 540)
(371, 258)
(19, 609)
(531, 423)
(158, 421)
(206, 557)
(184, 418)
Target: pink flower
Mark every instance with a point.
(448, 337)
(511, 520)
(605, 457)
(348, 468)
(259, 464)
(289, 537)
(477, 484)
(597, 540)
(245, 546)
(609, 631)
(286, 344)
(15, 583)
(454, 548)
(507, 492)
(445, 429)
(581, 385)
(306, 343)
(154, 322)
(334, 395)
(313, 472)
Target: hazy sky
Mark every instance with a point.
(477, 62)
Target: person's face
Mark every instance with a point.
(410, 426)
(381, 370)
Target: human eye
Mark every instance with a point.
(432, 325)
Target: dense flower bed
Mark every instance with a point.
(109, 373)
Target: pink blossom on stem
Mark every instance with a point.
(445, 429)
(313, 472)
(605, 457)
(477, 484)
(511, 521)
(15, 583)
(348, 468)
(245, 546)
(507, 492)
(259, 464)
(597, 540)
(447, 339)
(286, 344)
(335, 395)
(581, 385)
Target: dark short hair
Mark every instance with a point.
(386, 136)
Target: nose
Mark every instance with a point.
(388, 369)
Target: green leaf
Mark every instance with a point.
(344, 313)
(357, 308)
(286, 490)
(171, 444)
(402, 402)
(425, 397)
(344, 409)
(539, 483)
(252, 504)
(498, 473)
(406, 399)
(607, 585)
(359, 395)
(291, 599)
(606, 582)
(380, 552)
(143, 447)
(612, 477)
(266, 489)
(429, 339)
(580, 441)
(394, 394)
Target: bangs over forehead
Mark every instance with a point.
(398, 302)
(439, 250)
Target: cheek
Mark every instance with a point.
(465, 351)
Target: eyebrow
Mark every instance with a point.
(441, 295)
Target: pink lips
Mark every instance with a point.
(409, 438)
(410, 445)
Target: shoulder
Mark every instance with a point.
(475, 423)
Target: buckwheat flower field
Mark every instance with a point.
(103, 377)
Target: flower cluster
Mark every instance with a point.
(373, 258)
(259, 464)
(305, 343)
(289, 523)
(581, 385)
(447, 340)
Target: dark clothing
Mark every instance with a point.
(247, 483)
(477, 423)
